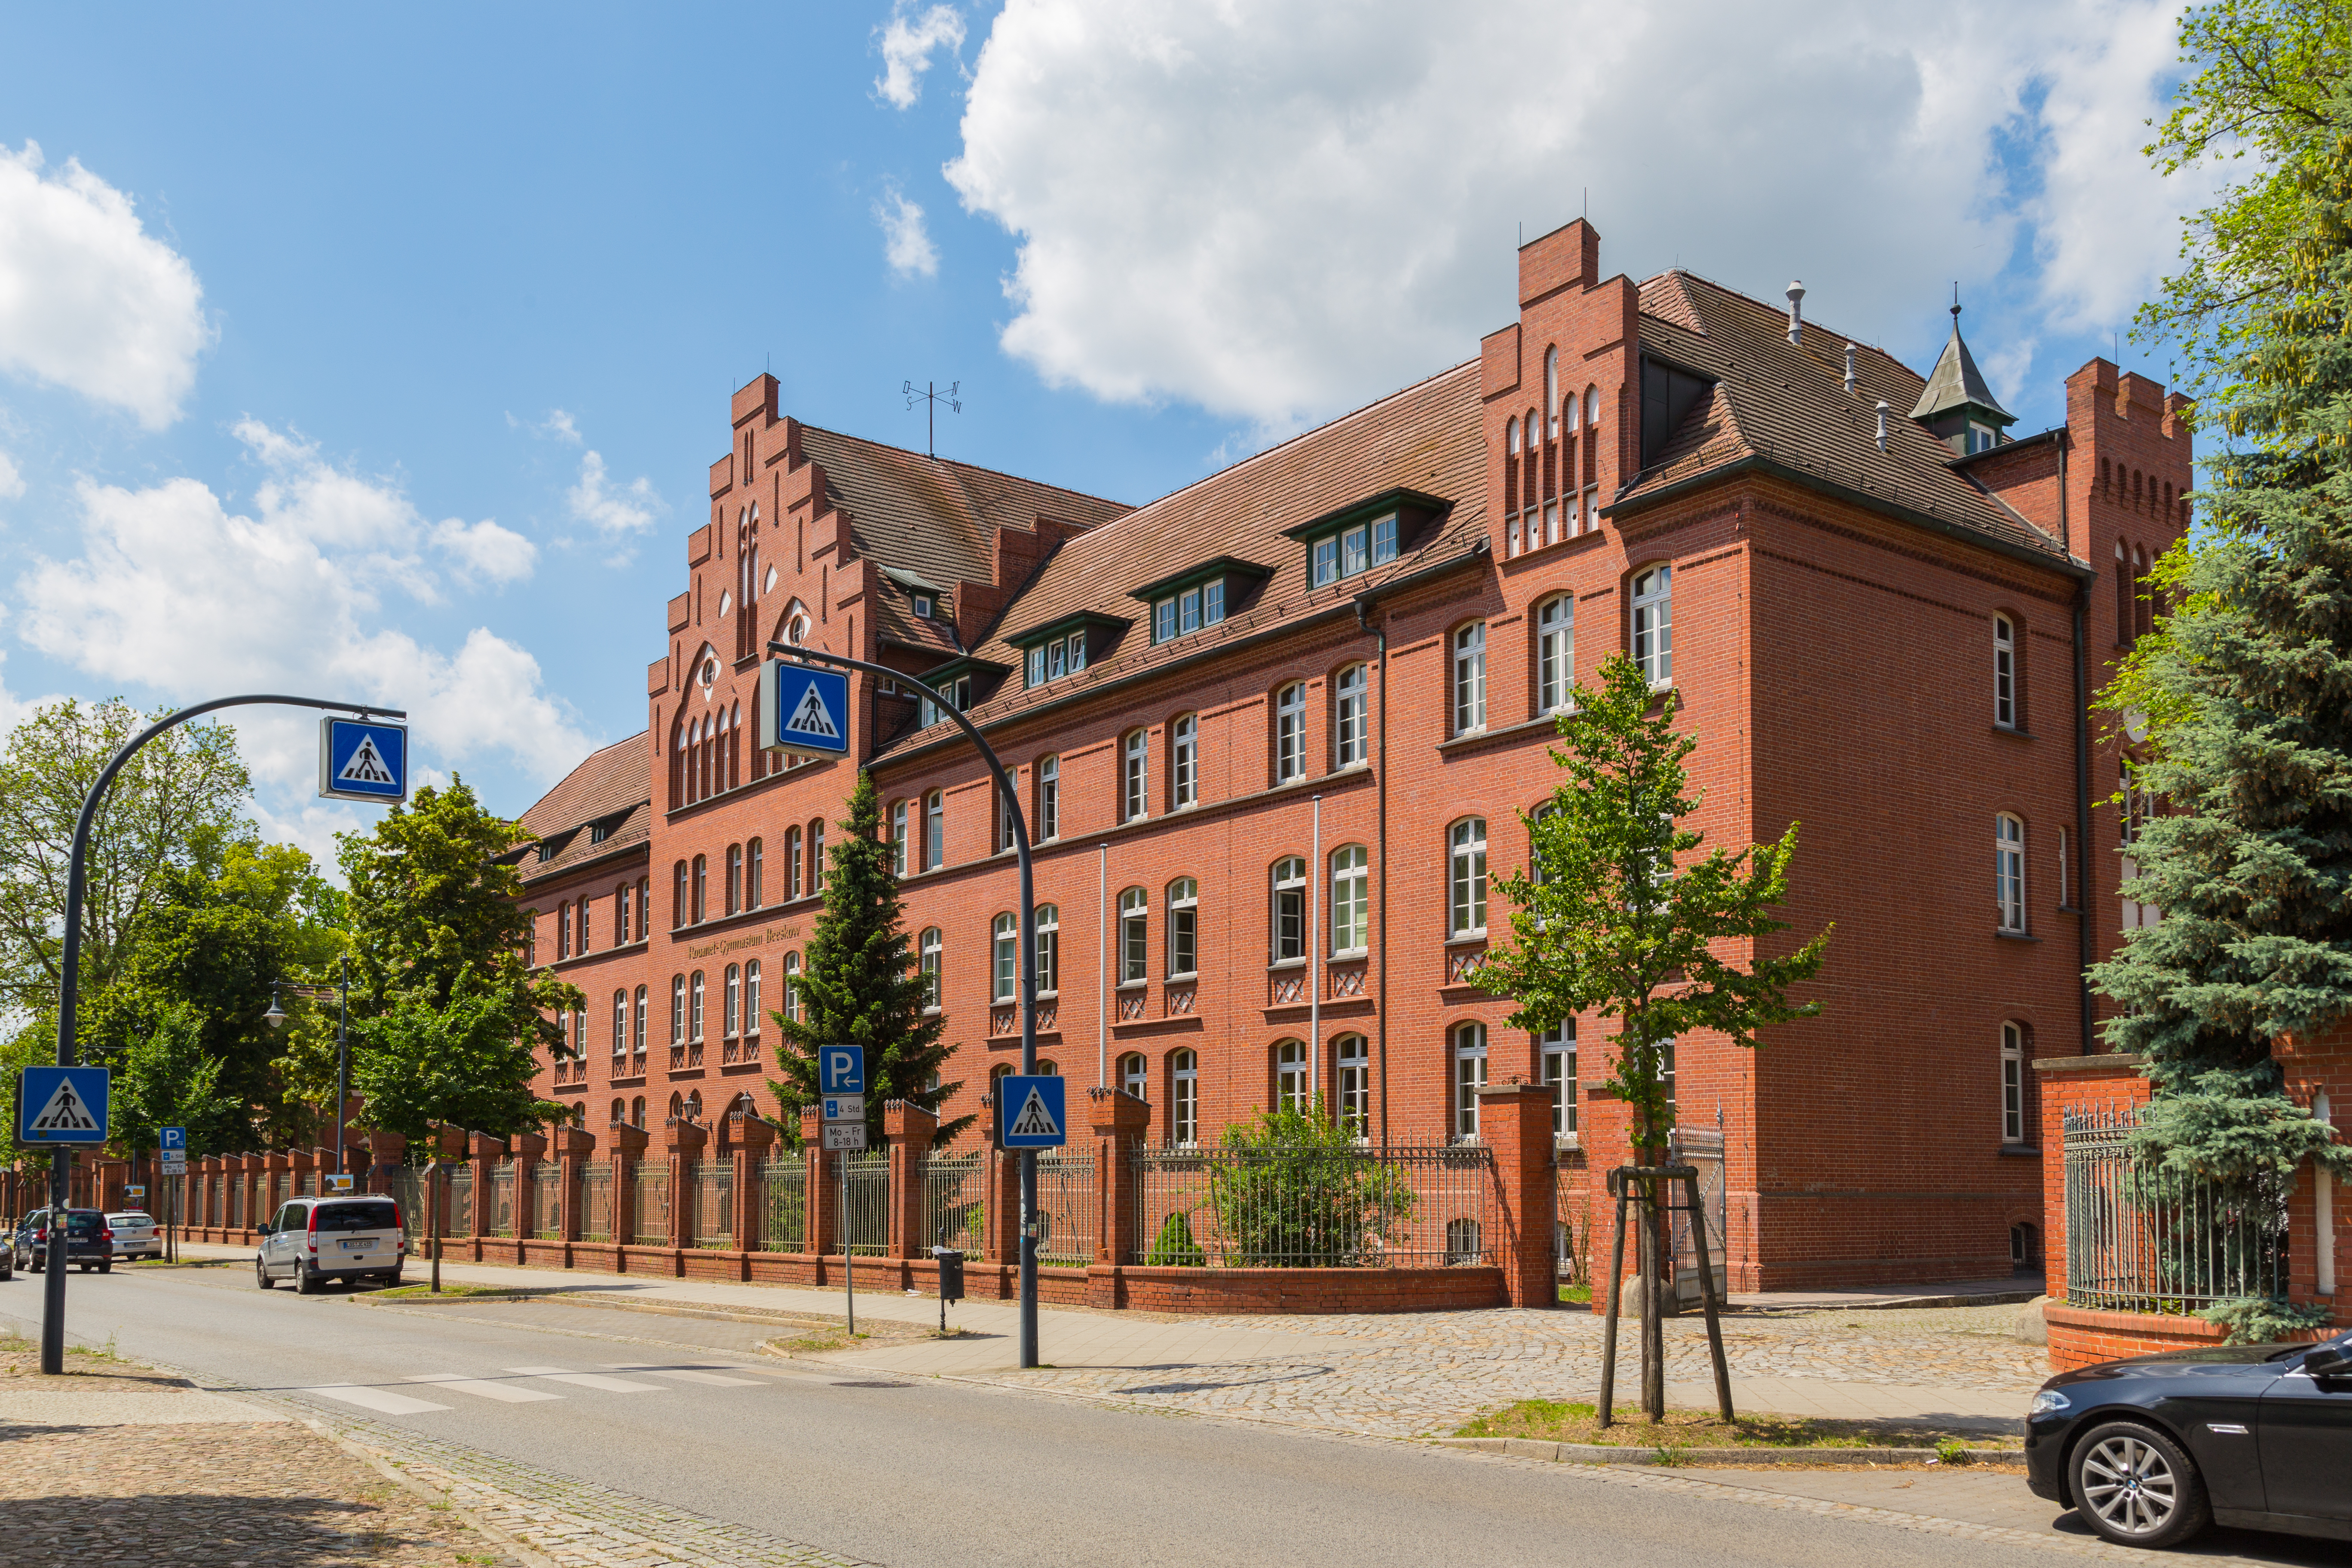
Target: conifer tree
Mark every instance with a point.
(860, 987)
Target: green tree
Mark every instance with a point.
(1303, 1195)
(1621, 915)
(165, 1078)
(861, 988)
(423, 1064)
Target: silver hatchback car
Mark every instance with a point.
(314, 1240)
(135, 1234)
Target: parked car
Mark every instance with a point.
(89, 1241)
(135, 1234)
(2151, 1450)
(314, 1240)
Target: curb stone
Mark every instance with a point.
(431, 1494)
(1625, 1454)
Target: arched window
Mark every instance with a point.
(2004, 672)
(754, 865)
(1135, 777)
(1351, 903)
(1554, 653)
(677, 1105)
(2012, 1084)
(702, 886)
(621, 918)
(1591, 407)
(1354, 1079)
(620, 1023)
(1183, 1099)
(677, 1010)
(694, 1003)
(1049, 948)
(639, 1035)
(637, 1111)
(935, 830)
(793, 987)
(1004, 958)
(1351, 729)
(731, 1019)
(580, 1036)
(1184, 761)
(1466, 877)
(1049, 799)
(1290, 733)
(928, 951)
(1511, 480)
(645, 907)
(1004, 821)
(562, 931)
(1290, 1076)
(1556, 1054)
(1470, 678)
(1551, 395)
(1653, 624)
(1133, 1076)
(897, 838)
(620, 1112)
(793, 862)
(1469, 1077)
(1183, 928)
(1288, 925)
(1134, 936)
(677, 904)
(2009, 873)
(817, 856)
(734, 877)
(752, 997)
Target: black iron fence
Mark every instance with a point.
(2143, 1237)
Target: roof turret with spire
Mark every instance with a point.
(1957, 406)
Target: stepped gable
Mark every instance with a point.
(1787, 404)
(933, 521)
(1426, 437)
(608, 782)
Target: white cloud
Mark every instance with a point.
(558, 424)
(907, 45)
(904, 240)
(485, 552)
(89, 299)
(11, 481)
(1259, 211)
(175, 592)
(630, 509)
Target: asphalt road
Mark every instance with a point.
(927, 1473)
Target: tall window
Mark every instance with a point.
(1049, 948)
(793, 867)
(677, 898)
(1134, 939)
(1466, 877)
(643, 997)
(897, 837)
(1470, 678)
(1183, 926)
(792, 986)
(620, 1023)
(734, 877)
(2012, 1084)
(622, 919)
(1135, 778)
(1184, 762)
(754, 864)
(935, 830)
(730, 1023)
(1183, 1099)
(1351, 900)
(1289, 918)
(2004, 672)
(1133, 1076)
(1555, 654)
(1653, 624)
(752, 997)
(678, 1009)
(1290, 732)
(1049, 799)
(1556, 1052)
(694, 1003)
(1290, 1076)
(1469, 1077)
(928, 957)
(1005, 959)
(1355, 1081)
(563, 930)
(2009, 872)
(1349, 716)
(1003, 820)
(702, 886)
(645, 907)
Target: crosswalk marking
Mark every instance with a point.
(380, 1400)
(589, 1379)
(485, 1388)
(687, 1374)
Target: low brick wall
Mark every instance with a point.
(2081, 1336)
(1310, 1290)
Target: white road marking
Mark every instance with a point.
(378, 1399)
(688, 1374)
(508, 1392)
(589, 1379)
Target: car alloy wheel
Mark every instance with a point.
(261, 1273)
(2136, 1488)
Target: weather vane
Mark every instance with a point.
(932, 396)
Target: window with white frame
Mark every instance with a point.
(694, 1002)
(1350, 717)
(1052, 660)
(1183, 928)
(620, 1023)
(2009, 873)
(1004, 958)
(1290, 914)
(817, 856)
(731, 1018)
(1357, 548)
(1466, 877)
(2004, 672)
(897, 837)
(1470, 678)
(580, 1035)
(795, 885)
(927, 951)
(1653, 625)
(1182, 614)
(1134, 1077)
(2012, 1084)
(1003, 820)
(1049, 800)
(1290, 1076)
(1049, 948)
(1135, 777)
(792, 986)
(644, 996)
(1556, 1054)
(935, 830)
(1290, 732)
(1134, 936)
(1353, 1055)
(1351, 900)
(1183, 1099)
(1469, 1077)
(1184, 762)
(752, 997)
(1555, 654)
(678, 1009)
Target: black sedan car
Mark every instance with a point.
(2149, 1451)
(89, 1243)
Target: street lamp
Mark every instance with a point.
(275, 1016)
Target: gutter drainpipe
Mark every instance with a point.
(2087, 904)
(1364, 619)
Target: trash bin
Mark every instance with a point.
(950, 1263)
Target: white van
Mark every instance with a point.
(312, 1240)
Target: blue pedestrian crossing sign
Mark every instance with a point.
(841, 1069)
(1029, 1112)
(61, 1105)
(803, 710)
(359, 759)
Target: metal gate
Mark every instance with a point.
(1704, 1151)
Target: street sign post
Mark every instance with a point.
(173, 1141)
(61, 1105)
(803, 710)
(134, 1195)
(362, 759)
(841, 1069)
(1030, 1112)
(841, 1108)
(335, 1181)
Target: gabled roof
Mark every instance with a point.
(1786, 404)
(1956, 382)
(609, 782)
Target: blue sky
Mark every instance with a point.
(389, 349)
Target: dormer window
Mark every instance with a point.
(925, 606)
(1179, 615)
(547, 849)
(1197, 597)
(1063, 647)
(1371, 533)
(598, 831)
(1352, 549)
(1052, 660)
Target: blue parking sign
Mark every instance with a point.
(61, 1105)
(1029, 1112)
(170, 1138)
(841, 1069)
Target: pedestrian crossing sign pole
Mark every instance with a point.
(64, 1105)
(362, 759)
(803, 709)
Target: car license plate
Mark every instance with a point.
(357, 1245)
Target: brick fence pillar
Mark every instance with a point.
(823, 1228)
(529, 1150)
(484, 1154)
(387, 1156)
(1003, 1205)
(573, 1148)
(2108, 1081)
(302, 1165)
(907, 1132)
(1606, 1131)
(749, 1140)
(682, 1145)
(1515, 1121)
(277, 1173)
(627, 1146)
(1118, 1122)
(2319, 1218)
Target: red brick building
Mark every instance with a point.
(1273, 729)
